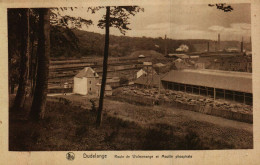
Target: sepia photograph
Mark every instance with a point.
(130, 78)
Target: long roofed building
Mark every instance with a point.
(228, 85)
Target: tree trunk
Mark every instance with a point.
(104, 76)
(24, 64)
(40, 93)
(32, 66)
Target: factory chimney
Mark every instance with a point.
(242, 45)
(218, 42)
(165, 46)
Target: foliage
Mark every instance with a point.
(67, 21)
(14, 21)
(93, 105)
(119, 17)
(90, 43)
(63, 41)
(123, 80)
(222, 6)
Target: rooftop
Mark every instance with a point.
(87, 72)
(152, 80)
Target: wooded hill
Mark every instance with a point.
(76, 44)
(92, 44)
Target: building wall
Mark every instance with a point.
(241, 64)
(85, 85)
(92, 87)
(215, 93)
(108, 93)
(80, 86)
(200, 65)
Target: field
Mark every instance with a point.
(69, 124)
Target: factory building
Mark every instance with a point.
(226, 85)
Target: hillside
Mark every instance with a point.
(86, 44)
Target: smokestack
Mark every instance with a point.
(208, 46)
(165, 46)
(218, 42)
(242, 45)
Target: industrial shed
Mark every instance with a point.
(227, 85)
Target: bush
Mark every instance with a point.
(93, 105)
(123, 80)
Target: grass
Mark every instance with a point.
(71, 127)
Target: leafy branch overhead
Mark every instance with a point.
(222, 6)
(65, 21)
(119, 17)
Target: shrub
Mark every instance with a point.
(93, 105)
(123, 80)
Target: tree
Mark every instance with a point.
(116, 17)
(222, 6)
(14, 38)
(24, 60)
(123, 80)
(104, 76)
(43, 57)
(43, 52)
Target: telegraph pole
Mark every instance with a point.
(165, 45)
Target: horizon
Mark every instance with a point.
(247, 41)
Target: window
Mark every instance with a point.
(89, 82)
(89, 89)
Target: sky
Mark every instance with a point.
(196, 21)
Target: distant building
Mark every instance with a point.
(182, 48)
(145, 71)
(147, 63)
(194, 57)
(184, 64)
(141, 56)
(232, 50)
(239, 63)
(85, 82)
(159, 65)
(113, 81)
(140, 73)
(108, 90)
(200, 65)
(148, 81)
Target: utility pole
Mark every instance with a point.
(208, 46)
(218, 42)
(242, 45)
(165, 45)
(159, 80)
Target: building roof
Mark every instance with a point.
(151, 80)
(228, 80)
(147, 63)
(87, 72)
(183, 56)
(160, 65)
(148, 70)
(107, 87)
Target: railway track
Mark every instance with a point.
(73, 74)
